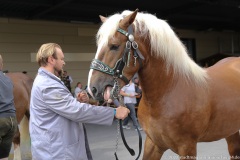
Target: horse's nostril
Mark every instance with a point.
(94, 90)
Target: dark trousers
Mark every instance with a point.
(8, 128)
(89, 154)
(132, 115)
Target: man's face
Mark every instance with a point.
(59, 62)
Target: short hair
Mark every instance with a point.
(1, 62)
(45, 51)
(133, 79)
(78, 83)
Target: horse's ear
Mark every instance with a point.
(103, 19)
(128, 20)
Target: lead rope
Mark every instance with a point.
(115, 95)
(118, 132)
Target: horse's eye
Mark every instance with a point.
(114, 47)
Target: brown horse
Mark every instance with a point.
(22, 89)
(182, 104)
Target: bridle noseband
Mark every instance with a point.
(117, 72)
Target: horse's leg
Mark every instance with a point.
(16, 143)
(233, 142)
(188, 150)
(151, 151)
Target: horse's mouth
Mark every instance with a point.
(107, 93)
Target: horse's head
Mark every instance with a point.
(117, 58)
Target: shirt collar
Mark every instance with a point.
(43, 71)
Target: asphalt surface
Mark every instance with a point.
(102, 141)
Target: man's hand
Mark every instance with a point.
(83, 97)
(122, 112)
(133, 95)
(138, 95)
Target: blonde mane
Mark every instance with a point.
(164, 44)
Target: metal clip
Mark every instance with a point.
(128, 45)
(135, 60)
(115, 90)
(134, 45)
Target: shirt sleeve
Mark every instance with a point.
(123, 88)
(60, 101)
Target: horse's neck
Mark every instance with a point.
(155, 80)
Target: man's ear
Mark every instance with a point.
(50, 59)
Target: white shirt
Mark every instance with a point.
(129, 89)
(76, 91)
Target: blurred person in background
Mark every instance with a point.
(8, 121)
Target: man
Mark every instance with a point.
(129, 93)
(56, 122)
(78, 89)
(138, 90)
(8, 121)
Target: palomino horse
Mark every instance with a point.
(22, 89)
(182, 104)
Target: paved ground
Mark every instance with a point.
(102, 140)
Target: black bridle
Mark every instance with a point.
(117, 72)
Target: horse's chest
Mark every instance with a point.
(153, 125)
(155, 130)
(149, 118)
(156, 127)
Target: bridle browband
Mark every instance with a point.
(117, 72)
